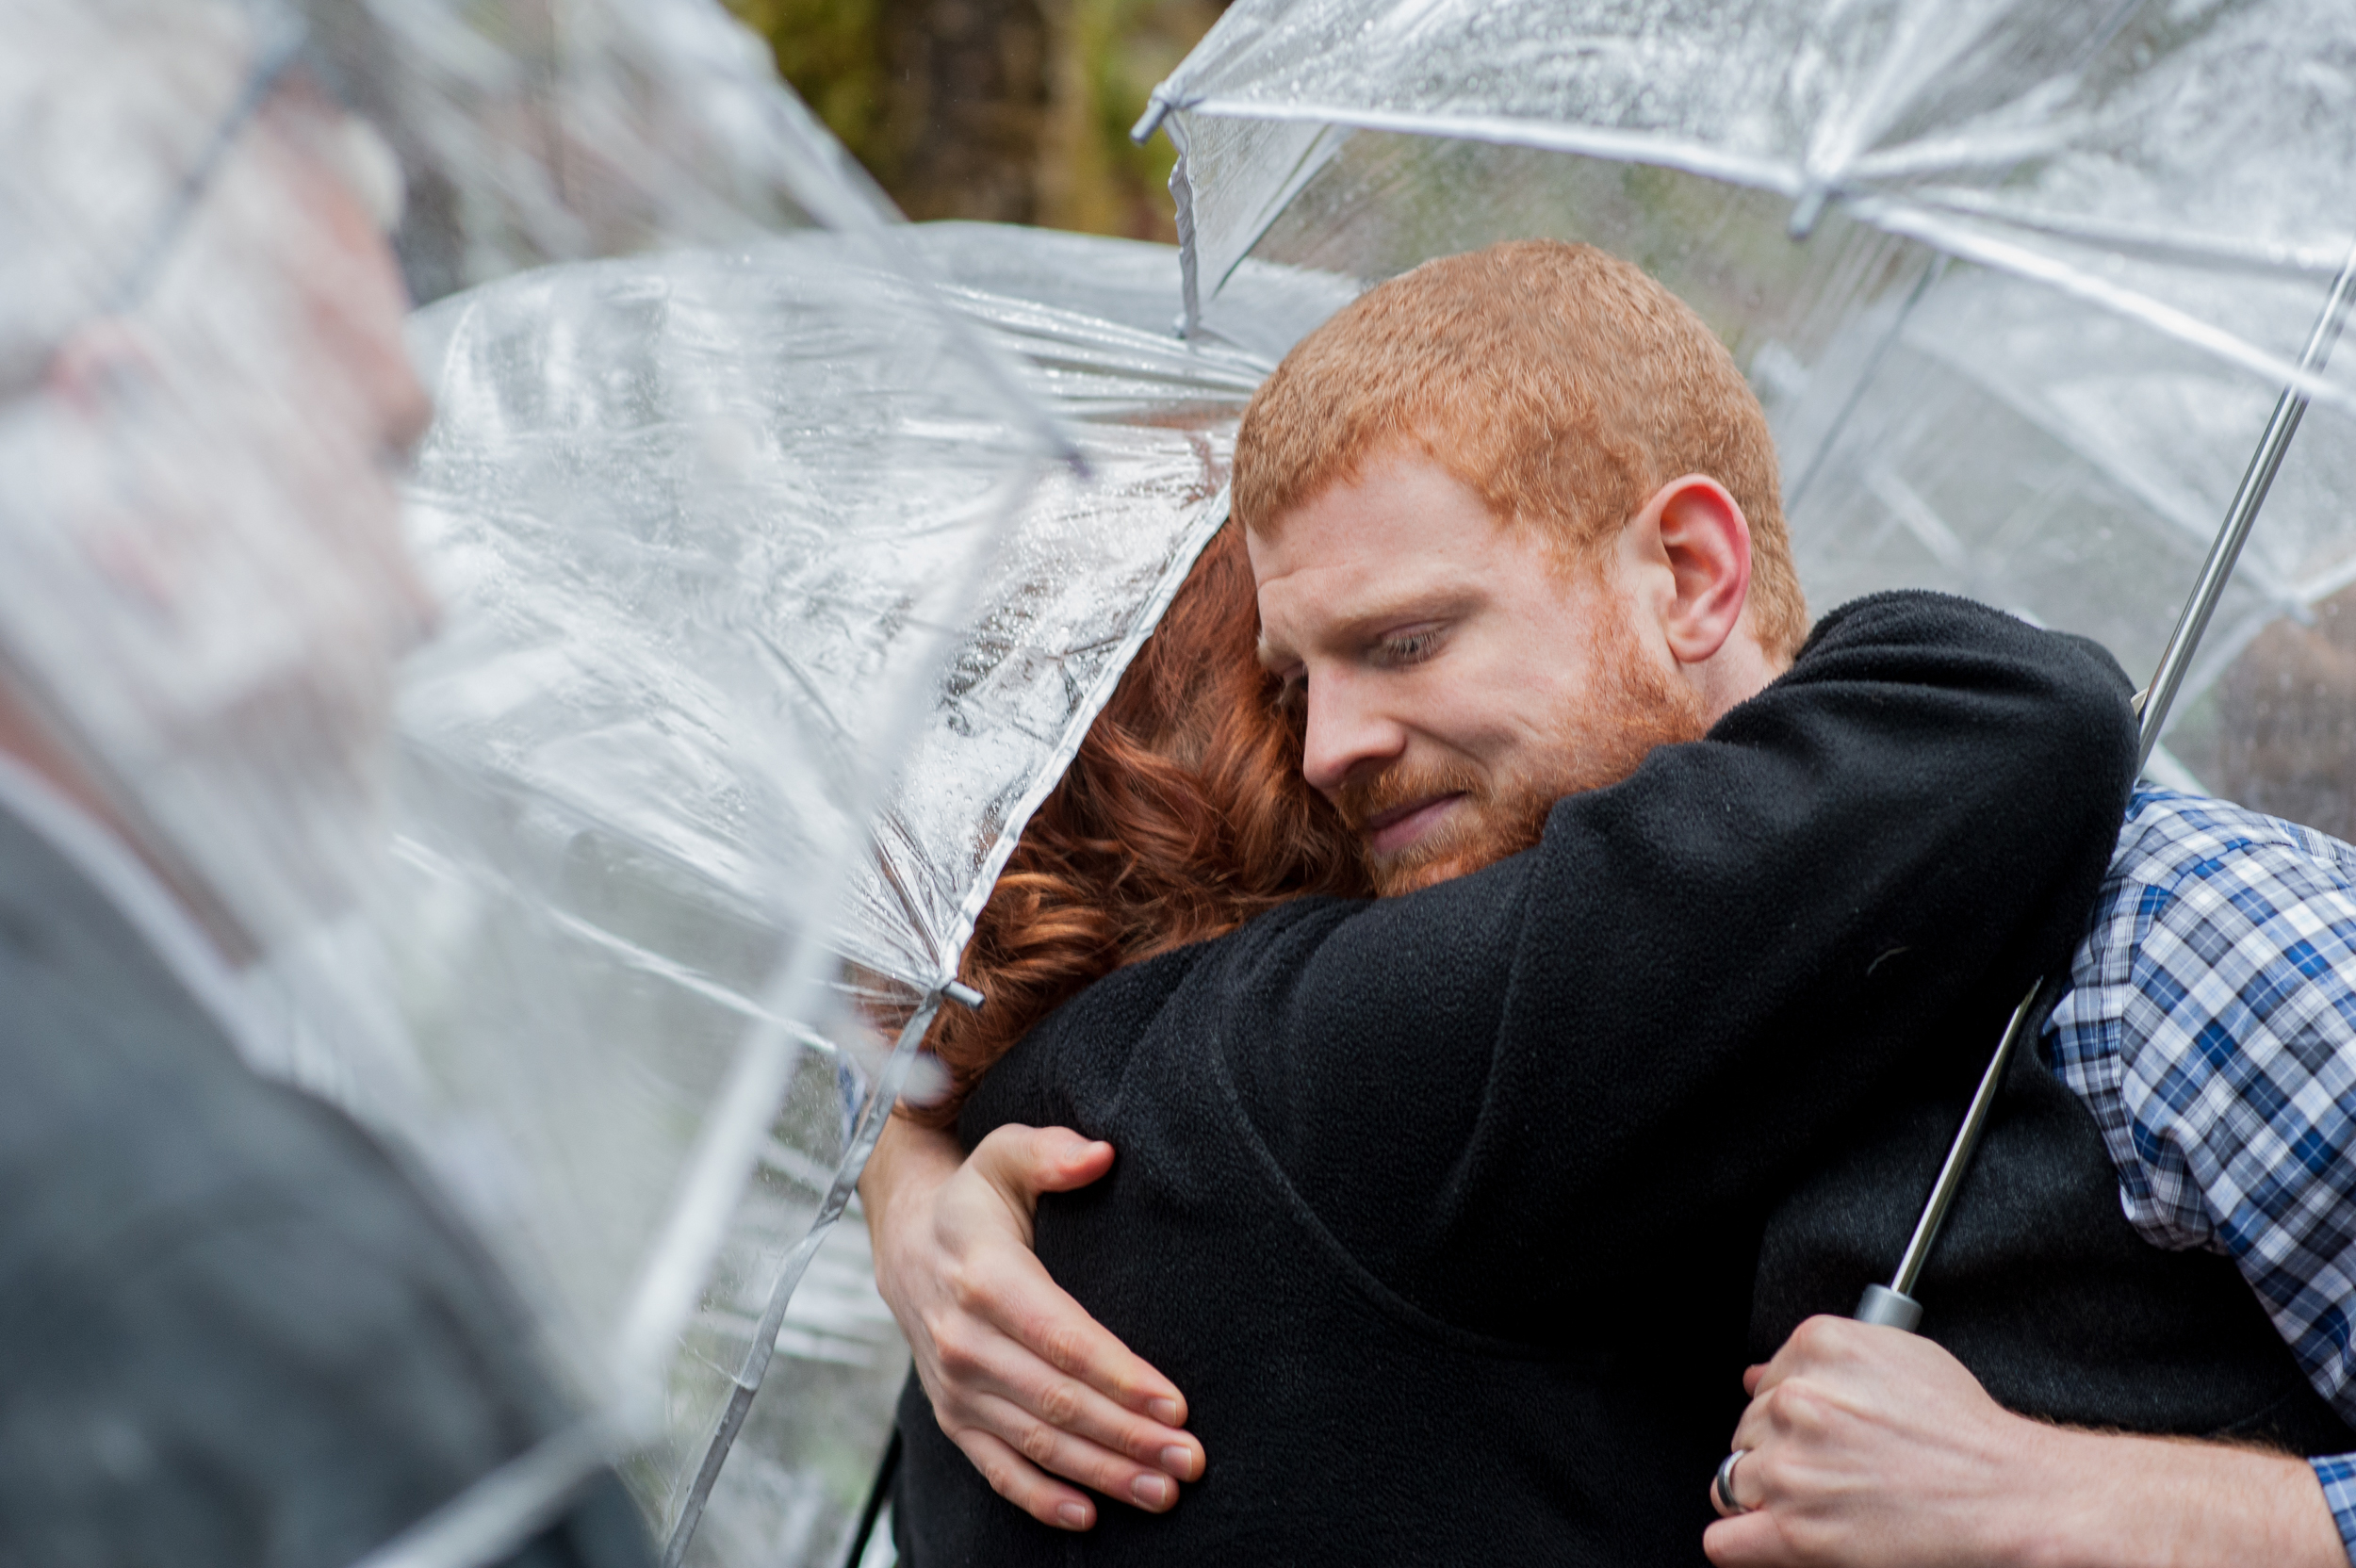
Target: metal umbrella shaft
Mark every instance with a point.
(1894, 1304)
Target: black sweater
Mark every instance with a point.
(1443, 1209)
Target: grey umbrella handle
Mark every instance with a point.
(1891, 1309)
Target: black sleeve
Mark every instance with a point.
(1586, 1063)
(242, 1337)
(233, 1329)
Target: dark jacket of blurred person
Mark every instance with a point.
(232, 1330)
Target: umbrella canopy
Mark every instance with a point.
(2017, 285)
(1950, 245)
(693, 826)
(204, 397)
(698, 518)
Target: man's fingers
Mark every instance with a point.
(1003, 1370)
(1066, 1338)
(1748, 1541)
(1017, 1297)
(1022, 1483)
(1057, 1451)
(1024, 1161)
(1798, 1409)
(1817, 1343)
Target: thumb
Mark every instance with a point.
(1024, 1161)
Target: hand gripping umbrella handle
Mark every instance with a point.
(1893, 1304)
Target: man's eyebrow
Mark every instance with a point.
(1428, 601)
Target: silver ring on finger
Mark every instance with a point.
(1722, 1490)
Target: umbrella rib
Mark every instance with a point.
(1932, 273)
(1614, 146)
(2200, 250)
(1920, 223)
(747, 1380)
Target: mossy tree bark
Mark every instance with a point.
(1008, 110)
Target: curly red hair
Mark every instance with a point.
(1184, 815)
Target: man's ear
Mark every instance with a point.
(1694, 527)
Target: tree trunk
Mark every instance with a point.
(967, 106)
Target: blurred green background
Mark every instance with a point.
(1016, 112)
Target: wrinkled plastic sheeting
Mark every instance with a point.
(1084, 574)
(200, 586)
(2053, 264)
(1087, 568)
(693, 516)
(703, 524)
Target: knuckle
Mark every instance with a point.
(1064, 1346)
(1037, 1442)
(954, 1351)
(1059, 1404)
(1818, 1336)
(1800, 1408)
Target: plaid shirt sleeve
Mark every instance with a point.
(2338, 1476)
(2211, 1027)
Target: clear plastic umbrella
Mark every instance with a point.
(204, 401)
(1998, 356)
(689, 512)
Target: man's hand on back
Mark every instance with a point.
(1022, 1380)
(1866, 1446)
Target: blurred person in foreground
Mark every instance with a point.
(1544, 1136)
(232, 1330)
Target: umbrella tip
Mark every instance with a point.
(1808, 208)
(1155, 107)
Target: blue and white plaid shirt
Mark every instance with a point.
(2211, 1027)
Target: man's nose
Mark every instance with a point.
(1348, 732)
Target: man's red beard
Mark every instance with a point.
(1633, 707)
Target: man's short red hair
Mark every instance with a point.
(1558, 383)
